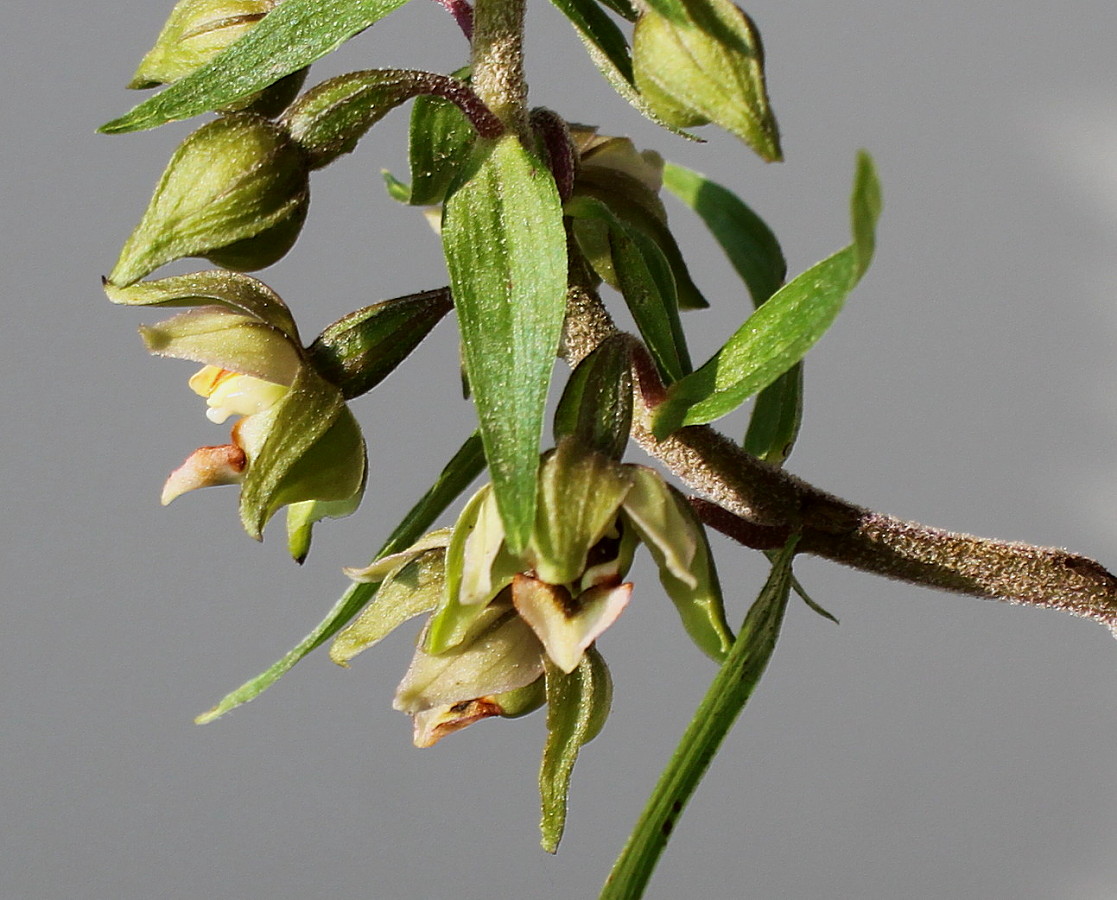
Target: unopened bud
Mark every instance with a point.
(195, 32)
(236, 192)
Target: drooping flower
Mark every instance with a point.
(499, 619)
(295, 443)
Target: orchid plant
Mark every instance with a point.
(541, 221)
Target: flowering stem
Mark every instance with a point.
(763, 495)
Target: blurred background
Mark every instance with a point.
(930, 746)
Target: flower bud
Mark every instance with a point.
(195, 32)
(705, 65)
(236, 192)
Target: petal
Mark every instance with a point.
(204, 467)
(566, 626)
(432, 725)
(500, 655)
(665, 523)
(214, 336)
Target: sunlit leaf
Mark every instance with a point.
(505, 250)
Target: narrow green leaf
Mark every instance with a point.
(241, 293)
(505, 249)
(596, 405)
(748, 242)
(636, 267)
(726, 698)
(466, 465)
(755, 254)
(776, 417)
(291, 36)
(783, 329)
(577, 706)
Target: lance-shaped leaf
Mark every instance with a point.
(633, 264)
(748, 242)
(577, 706)
(596, 405)
(291, 36)
(465, 465)
(755, 254)
(699, 61)
(329, 120)
(361, 349)
(726, 698)
(505, 249)
(783, 329)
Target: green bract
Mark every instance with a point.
(235, 192)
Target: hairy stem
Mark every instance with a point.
(765, 500)
(498, 60)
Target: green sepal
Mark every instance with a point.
(361, 349)
(505, 248)
(677, 541)
(636, 204)
(499, 653)
(783, 329)
(290, 37)
(214, 287)
(477, 569)
(580, 495)
(577, 707)
(304, 515)
(213, 336)
(699, 61)
(235, 191)
(311, 449)
(595, 409)
(440, 142)
(463, 467)
(410, 589)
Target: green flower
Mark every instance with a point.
(499, 619)
(295, 443)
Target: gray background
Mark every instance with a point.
(929, 747)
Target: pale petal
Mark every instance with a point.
(567, 626)
(432, 725)
(204, 467)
